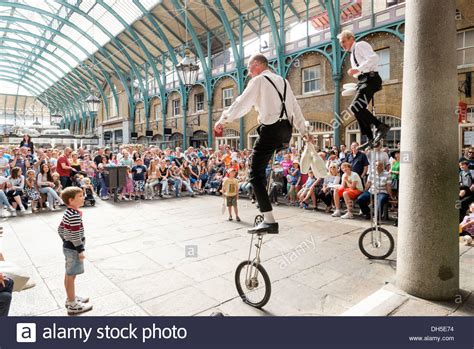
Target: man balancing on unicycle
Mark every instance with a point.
(278, 110)
(364, 67)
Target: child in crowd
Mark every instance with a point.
(32, 191)
(139, 173)
(88, 190)
(57, 183)
(305, 193)
(467, 226)
(230, 189)
(71, 232)
(294, 178)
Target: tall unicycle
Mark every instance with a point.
(251, 279)
(376, 242)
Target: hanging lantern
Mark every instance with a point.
(188, 70)
(93, 102)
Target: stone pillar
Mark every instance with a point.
(428, 247)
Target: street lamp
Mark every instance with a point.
(188, 70)
(93, 102)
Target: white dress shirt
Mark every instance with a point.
(366, 57)
(262, 95)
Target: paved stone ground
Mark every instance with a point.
(136, 262)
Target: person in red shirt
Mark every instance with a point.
(64, 168)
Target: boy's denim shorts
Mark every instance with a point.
(74, 266)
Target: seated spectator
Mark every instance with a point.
(152, 180)
(203, 177)
(350, 189)
(395, 172)
(57, 183)
(277, 182)
(381, 182)
(88, 191)
(469, 157)
(175, 178)
(467, 226)
(216, 182)
(3, 198)
(164, 176)
(294, 179)
(466, 188)
(326, 193)
(308, 189)
(185, 177)
(45, 184)
(15, 190)
(31, 190)
(6, 289)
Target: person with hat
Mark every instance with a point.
(278, 111)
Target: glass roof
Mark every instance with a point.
(43, 40)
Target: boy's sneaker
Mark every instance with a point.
(11, 209)
(77, 308)
(348, 215)
(78, 300)
(14, 213)
(337, 213)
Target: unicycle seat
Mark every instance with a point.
(264, 228)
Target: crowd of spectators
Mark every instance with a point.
(34, 177)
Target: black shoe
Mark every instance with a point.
(264, 228)
(382, 131)
(142, 197)
(367, 144)
(137, 198)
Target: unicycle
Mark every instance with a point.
(251, 279)
(376, 242)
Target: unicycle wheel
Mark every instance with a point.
(253, 284)
(258, 220)
(376, 243)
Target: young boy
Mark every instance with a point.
(230, 189)
(71, 232)
(139, 173)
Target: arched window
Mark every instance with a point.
(353, 133)
(322, 132)
(230, 137)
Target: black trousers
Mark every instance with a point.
(366, 88)
(270, 139)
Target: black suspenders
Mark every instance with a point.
(282, 98)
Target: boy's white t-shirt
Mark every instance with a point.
(354, 177)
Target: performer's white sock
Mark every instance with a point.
(268, 217)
